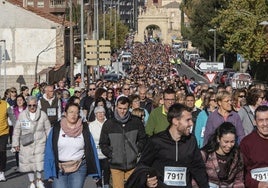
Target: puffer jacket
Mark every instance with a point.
(31, 156)
(115, 146)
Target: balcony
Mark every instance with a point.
(57, 4)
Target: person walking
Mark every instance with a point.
(254, 151)
(29, 138)
(95, 128)
(224, 113)
(50, 104)
(5, 113)
(171, 158)
(157, 121)
(70, 152)
(122, 139)
(224, 163)
(19, 107)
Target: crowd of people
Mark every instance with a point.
(151, 129)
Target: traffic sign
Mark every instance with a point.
(211, 76)
(210, 66)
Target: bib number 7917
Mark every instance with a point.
(175, 176)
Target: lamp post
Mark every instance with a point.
(3, 57)
(82, 44)
(214, 55)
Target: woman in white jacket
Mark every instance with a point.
(95, 129)
(31, 155)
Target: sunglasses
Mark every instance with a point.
(126, 89)
(92, 89)
(13, 91)
(32, 105)
(241, 96)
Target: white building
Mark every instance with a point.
(31, 37)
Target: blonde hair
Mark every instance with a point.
(222, 95)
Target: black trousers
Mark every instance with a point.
(105, 171)
(3, 152)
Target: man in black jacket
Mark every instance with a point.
(174, 153)
(122, 139)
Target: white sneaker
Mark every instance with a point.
(39, 184)
(32, 185)
(2, 177)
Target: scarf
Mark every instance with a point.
(123, 119)
(71, 132)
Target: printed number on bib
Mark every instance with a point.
(51, 111)
(175, 176)
(260, 174)
(25, 124)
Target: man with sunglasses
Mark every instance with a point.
(87, 101)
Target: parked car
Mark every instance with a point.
(241, 80)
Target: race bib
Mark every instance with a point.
(51, 111)
(260, 174)
(212, 185)
(25, 124)
(175, 176)
(202, 132)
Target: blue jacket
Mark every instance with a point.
(200, 126)
(51, 160)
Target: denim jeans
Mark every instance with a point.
(71, 180)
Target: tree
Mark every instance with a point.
(201, 13)
(110, 28)
(240, 24)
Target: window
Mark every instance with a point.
(40, 3)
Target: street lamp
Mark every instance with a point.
(214, 30)
(4, 57)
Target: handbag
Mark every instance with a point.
(27, 139)
(70, 166)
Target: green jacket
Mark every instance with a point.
(157, 121)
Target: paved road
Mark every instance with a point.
(20, 180)
(189, 72)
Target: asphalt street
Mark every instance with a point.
(189, 72)
(20, 180)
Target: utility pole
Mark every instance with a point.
(82, 45)
(71, 45)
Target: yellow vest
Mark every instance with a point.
(3, 118)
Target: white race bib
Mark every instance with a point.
(260, 174)
(25, 124)
(51, 111)
(212, 185)
(202, 132)
(175, 176)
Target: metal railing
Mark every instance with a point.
(57, 4)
